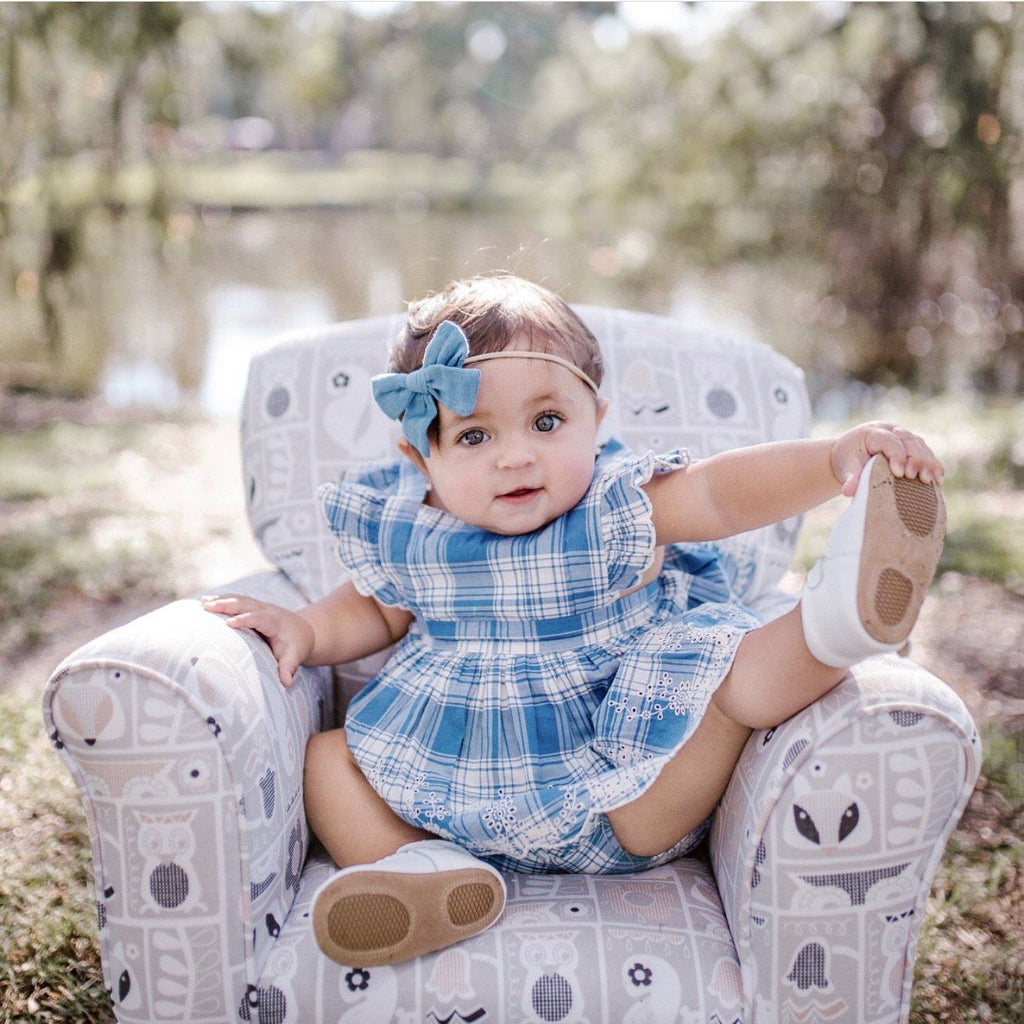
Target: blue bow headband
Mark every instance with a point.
(413, 397)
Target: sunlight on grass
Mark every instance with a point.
(67, 526)
(969, 967)
(49, 959)
(61, 459)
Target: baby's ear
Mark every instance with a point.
(413, 456)
(602, 408)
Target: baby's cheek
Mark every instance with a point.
(575, 482)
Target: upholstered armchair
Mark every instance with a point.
(188, 754)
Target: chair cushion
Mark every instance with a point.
(652, 947)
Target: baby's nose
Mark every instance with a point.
(515, 453)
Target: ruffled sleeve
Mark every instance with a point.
(624, 511)
(357, 513)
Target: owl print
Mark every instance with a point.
(167, 843)
(827, 823)
(552, 992)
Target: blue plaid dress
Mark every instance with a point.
(529, 698)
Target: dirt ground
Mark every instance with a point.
(187, 489)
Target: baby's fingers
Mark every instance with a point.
(227, 604)
(287, 666)
(258, 619)
(922, 462)
(885, 440)
(909, 456)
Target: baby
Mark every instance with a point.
(574, 678)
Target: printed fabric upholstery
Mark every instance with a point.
(188, 755)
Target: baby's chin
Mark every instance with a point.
(516, 520)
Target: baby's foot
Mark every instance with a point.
(428, 895)
(864, 596)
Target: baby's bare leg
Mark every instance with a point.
(772, 677)
(344, 811)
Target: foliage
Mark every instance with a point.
(880, 142)
(875, 148)
(969, 961)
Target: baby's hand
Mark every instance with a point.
(290, 636)
(907, 454)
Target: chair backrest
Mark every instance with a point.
(308, 416)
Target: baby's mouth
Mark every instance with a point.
(520, 494)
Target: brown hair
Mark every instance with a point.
(494, 310)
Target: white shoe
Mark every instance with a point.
(429, 895)
(864, 596)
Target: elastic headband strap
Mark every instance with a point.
(546, 356)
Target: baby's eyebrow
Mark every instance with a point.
(552, 398)
(455, 422)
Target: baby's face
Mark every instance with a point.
(524, 456)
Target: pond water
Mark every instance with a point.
(170, 321)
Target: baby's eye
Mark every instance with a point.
(473, 437)
(547, 422)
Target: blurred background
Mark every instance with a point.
(180, 181)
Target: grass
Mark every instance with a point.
(56, 460)
(970, 960)
(49, 957)
(983, 544)
(979, 542)
(68, 527)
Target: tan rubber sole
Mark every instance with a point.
(371, 918)
(904, 527)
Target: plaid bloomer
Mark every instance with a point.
(529, 697)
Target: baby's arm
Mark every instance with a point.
(343, 626)
(751, 487)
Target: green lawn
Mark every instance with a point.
(49, 958)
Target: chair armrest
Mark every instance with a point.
(188, 754)
(828, 837)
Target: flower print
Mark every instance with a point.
(640, 975)
(358, 979)
(500, 816)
